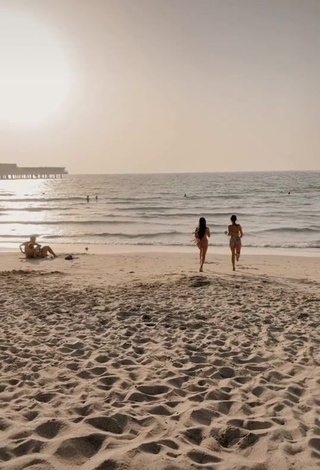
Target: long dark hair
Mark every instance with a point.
(202, 228)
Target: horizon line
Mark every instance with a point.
(193, 172)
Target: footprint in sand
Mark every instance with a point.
(153, 389)
(202, 457)
(202, 416)
(28, 447)
(78, 450)
(150, 447)
(49, 429)
(109, 464)
(115, 424)
(160, 410)
(194, 435)
(44, 397)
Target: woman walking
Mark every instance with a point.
(202, 233)
(235, 233)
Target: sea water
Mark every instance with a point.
(275, 209)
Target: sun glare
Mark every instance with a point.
(34, 73)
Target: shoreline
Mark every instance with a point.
(114, 268)
(79, 248)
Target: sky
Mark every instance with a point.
(143, 86)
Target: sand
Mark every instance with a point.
(138, 362)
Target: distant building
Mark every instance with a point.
(12, 171)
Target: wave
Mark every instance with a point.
(58, 223)
(43, 199)
(289, 245)
(145, 208)
(133, 222)
(176, 197)
(155, 215)
(173, 238)
(147, 242)
(196, 214)
(112, 200)
(35, 209)
(291, 230)
(122, 235)
(12, 236)
(216, 196)
(121, 200)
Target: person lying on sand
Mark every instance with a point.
(32, 249)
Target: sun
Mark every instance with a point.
(34, 73)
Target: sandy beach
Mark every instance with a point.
(136, 361)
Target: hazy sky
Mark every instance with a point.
(112, 86)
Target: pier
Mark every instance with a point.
(11, 171)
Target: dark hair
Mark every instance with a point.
(233, 218)
(202, 228)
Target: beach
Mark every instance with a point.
(143, 142)
(136, 361)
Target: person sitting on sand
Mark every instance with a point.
(235, 233)
(201, 234)
(32, 249)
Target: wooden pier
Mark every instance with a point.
(11, 171)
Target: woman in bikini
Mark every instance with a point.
(202, 233)
(235, 233)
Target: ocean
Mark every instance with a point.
(276, 209)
